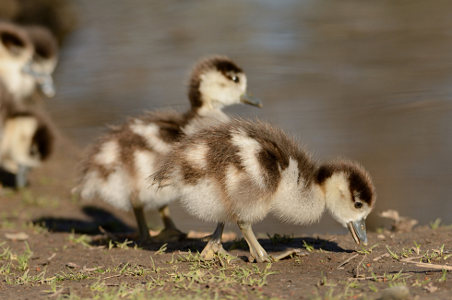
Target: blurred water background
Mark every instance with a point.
(367, 80)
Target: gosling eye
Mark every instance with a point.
(358, 204)
(235, 78)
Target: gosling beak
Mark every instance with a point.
(44, 80)
(251, 100)
(46, 84)
(358, 231)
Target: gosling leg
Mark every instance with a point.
(214, 245)
(170, 231)
(256, 250)
(21, 177)
(142, 225)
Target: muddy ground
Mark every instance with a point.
(51, 247)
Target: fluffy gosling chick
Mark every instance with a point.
(45, 58)
(16, 51)
(118, 168)
(26, 140)
(240, 171)
(25, 143)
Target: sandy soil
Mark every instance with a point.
(51, 247)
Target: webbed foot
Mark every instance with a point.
(214, 249)
(170, 235)
(290, 252)
(262, 257)
(214, 246)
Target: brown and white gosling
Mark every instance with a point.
(28, 57)
(118, 167)
(25, 137)
(240, 171)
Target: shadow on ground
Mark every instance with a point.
(106, 227)
(99, 218)
(7, 179)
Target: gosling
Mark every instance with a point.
(240, 171)
(25, 137)
(26, 142)
(16, 51)
(119, 165)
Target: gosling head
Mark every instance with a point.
(216, 82)
(16, 50)
(349, 195)
(45, 58)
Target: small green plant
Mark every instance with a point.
(133, 270)
(443, 277)
(393, 254)
(82, 239)
(6, 254)
(324, 281)
(365, 250)
(22, 260)
(429, 256)
(5, 269)
(173, 259)
(53, 286)
(406, 252)
(123, 245)
(447, 256)
(252, 276)
(190, 257)
(98, 286)
(420, 283)
(351, 285)
(435, 224)
(417, 248)
(26, 278)
(394, 277)
(111, 245)
(153, 267)
(77, 276)
(162, 249)
(308, 247)
(38, 228)
(373, 288)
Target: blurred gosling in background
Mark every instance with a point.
(27, 58)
